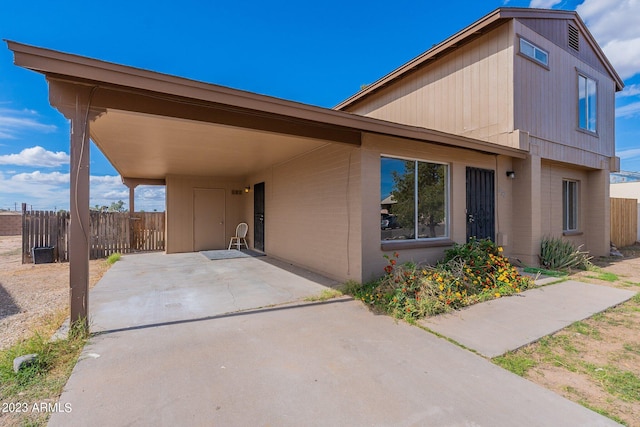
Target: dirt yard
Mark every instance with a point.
(595, 362)
(30, 292)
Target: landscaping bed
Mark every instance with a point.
(470, 273)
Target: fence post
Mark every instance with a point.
(24, 232)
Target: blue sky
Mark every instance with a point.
(313, 52)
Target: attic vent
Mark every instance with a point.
(574, 38)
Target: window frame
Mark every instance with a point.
(570, 206)
(447, 203)
(589, 110)
(535, 48)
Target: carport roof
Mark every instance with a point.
(150, 125)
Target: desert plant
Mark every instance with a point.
(559, 254)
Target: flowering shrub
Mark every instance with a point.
(480, 267)
(470, 273)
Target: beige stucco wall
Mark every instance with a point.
(322, 209)
(537, 207)
(375, 146)
(312, 211)
(180, 208)
(594, 207)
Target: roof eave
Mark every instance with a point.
(92, 71)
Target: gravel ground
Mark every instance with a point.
(30, 292)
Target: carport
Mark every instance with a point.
(214, 146)
(151, 126)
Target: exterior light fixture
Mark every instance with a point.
(511, 174)
(247, 188)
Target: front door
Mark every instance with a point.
(258, 216)
(480, 204)
(208, 219)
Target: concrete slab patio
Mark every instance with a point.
(170, 354)
(506, 324)
(148, 289)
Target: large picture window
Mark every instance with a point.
(569, 205)
(414, 199)
(587, 103)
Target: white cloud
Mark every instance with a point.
(106, 179)
(37, 157)
(49, 190)
(614, 24)
(631, 90)
(151, 193)
(544, 4)
(13, 122)
(628, 110)
(624, 55)
(629, 154)
(37, 177)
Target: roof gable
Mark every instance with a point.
(477, 29)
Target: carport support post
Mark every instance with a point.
(132, 198)
(74, 102)
(132, 208)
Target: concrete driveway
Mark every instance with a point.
(192, 342)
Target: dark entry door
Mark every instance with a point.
(480, 204)
(258, 216)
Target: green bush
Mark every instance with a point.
(559, 254)
(113, 258)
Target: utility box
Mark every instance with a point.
(42, 255)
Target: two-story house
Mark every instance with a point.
(524, 78)
(505, 130)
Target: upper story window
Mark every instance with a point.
(534, 52)
(587, 103)
(414, 199)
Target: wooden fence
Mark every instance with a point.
(110, 232)
(624, 221)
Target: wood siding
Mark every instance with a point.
(487, 90)
(547, 105)
(557, 32)
(467, 92)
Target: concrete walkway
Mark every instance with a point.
(330, 363)
(495, 327)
